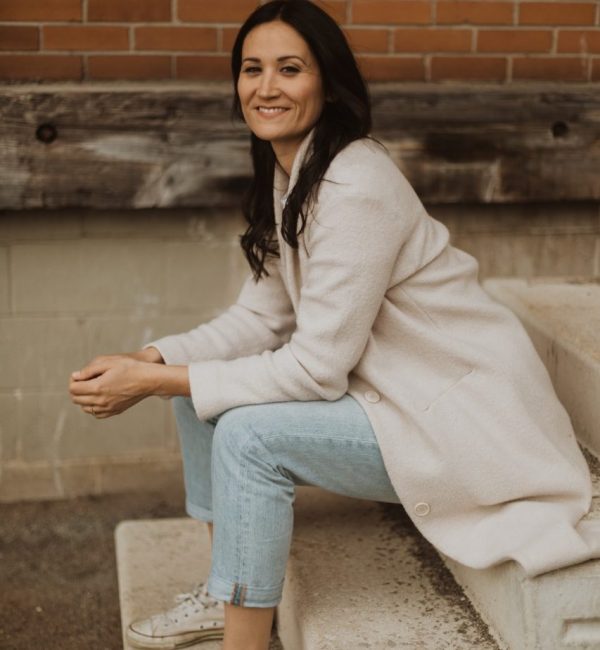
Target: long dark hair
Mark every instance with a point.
(346, 117)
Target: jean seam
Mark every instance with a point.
(254, 441)
(332, 438)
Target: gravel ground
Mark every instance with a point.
(57, 569)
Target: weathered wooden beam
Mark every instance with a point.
(164, 146)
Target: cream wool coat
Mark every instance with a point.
(376, 303)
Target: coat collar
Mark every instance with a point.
(282, 185)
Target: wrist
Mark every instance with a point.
(167, 381)
(148, 355)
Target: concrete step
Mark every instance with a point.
(157, 559)
(561, 609)
(360, 576)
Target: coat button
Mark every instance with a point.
(372, 396)
(422, 509)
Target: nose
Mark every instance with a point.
(268, 85)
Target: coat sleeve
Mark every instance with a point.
(353, 243)
(262, 318)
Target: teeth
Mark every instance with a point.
(263, 109)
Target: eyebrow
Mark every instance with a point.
(279, 59)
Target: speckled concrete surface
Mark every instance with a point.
(58, 582)
(360, 576)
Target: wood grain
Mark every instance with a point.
(140, 146)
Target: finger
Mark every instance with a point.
(83, 387)
(97, 412)
(93, 369)
(84, 400)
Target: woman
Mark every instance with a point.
(361, 356)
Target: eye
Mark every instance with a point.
(290, 69)
(251, 69)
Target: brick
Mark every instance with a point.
(468, 68)
(229, 11)
(4, 280)
(392, 68)
(127, 333)
(548, 68)
(189, 39)
(513, 40)
(579, 40)
(507, 254)
(34, 224)
(40, 10)
(9, 409)
(112, 275)
(35, 353)
(596, 77)
(336, 9)
(368, 40)
(28, 483)
(213, 68)
(228, 38)
(85, 38)
(209, 224)
(40, 68)
(476, 13)
(15, 38)
(386, 12)
(432, 40)
(129, 67)
(52, 427)
(199, 275)
(128, 11)
(162, 473)
(557, 13)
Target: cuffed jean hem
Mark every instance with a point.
(198, 512)
(236, 593)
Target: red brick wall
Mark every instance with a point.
(396, 40)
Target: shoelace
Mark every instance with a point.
(192, 600)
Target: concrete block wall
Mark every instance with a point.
(396, 40)
(74, 284)
(77, 284)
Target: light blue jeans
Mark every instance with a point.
(240, 469)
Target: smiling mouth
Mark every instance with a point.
(271, 110)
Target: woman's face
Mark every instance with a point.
(280, 87)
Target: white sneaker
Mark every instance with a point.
(197, 617)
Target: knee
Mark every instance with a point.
(237, 431)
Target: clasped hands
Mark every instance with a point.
(110, 384)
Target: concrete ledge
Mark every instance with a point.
(563, 320)
(361, 576)
(560, 609)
